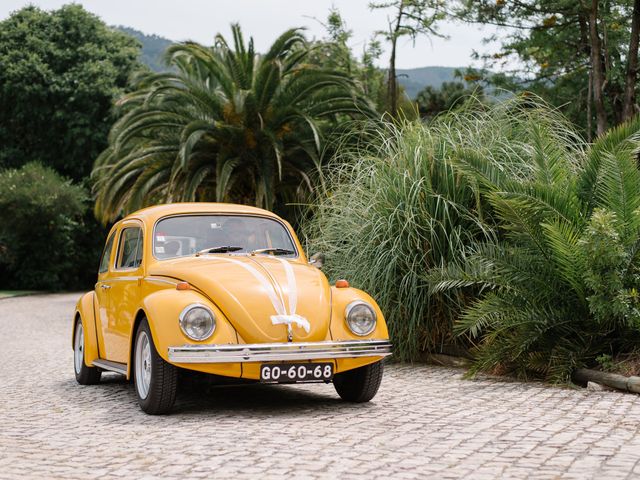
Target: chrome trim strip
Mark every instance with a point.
(160, 280)
(116, 367)
(268, 352)
(121, 279)
(124, 224)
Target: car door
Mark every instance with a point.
(125, 284)
(102, 296)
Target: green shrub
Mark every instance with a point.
(559, 287)
(606, 362)
(393, 208)
(612, 274)
(40, 216)
(498, 225)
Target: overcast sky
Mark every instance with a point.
(200, 20)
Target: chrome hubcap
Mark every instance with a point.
(143, 364)
(78, 350)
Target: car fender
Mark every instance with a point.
(340, 298)
(162, 310)
(86, 311)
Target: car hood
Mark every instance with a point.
(258, 293)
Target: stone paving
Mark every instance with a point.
(426, 422)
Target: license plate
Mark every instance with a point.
(296, 372)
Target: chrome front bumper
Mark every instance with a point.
(268, 352)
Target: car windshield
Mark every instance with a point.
(190, 234)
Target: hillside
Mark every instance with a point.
(413, 79)
(153, 47)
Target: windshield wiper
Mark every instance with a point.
(220, 249)
(273, 251)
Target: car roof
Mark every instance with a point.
(151, 214)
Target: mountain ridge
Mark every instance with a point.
(412, 79)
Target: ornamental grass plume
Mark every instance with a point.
(497, 226)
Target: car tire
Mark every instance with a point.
(360, 384)
(84, 375)
(155, 380)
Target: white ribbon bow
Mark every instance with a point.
(288, 320)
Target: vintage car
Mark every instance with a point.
(226, 290)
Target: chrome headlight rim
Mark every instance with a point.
(182, 320)
(349, 309)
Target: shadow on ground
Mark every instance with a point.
(202, 396)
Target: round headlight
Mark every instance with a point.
(197, 322)
(361, 318)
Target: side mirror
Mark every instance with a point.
(317, 260)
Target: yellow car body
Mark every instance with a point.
(243, 291)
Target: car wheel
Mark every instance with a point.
(155, 380)
(84, 375)
(360, 384)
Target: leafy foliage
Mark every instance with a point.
(391, 209)
(228, 125)
(59, 73)
(432, 101)
(612, 274)
(333, 52)
(409, 18)
(37, 240)
(559, 286)
(546, 49)
(496, 224)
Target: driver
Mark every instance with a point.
(238, 234)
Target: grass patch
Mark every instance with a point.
(15, 293)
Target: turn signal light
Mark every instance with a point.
(183, 286)
(342, 284)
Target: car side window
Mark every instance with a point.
(130, 248)
(106, 255)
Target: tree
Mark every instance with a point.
(580, 56)
(228, 125)
(629, 108)
(410, 18)
(432, 100)
(373, 79)
(59, 73)
(333, 52)
(38, 239)
(596, 74)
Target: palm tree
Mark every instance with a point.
(559, 288)
(226, 124)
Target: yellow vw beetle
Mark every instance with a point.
(226, 290)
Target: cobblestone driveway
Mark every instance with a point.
(425, 422)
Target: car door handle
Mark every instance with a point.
(105, 287)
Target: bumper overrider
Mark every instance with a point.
(268, 352)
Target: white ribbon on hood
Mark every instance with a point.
(281, 317)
